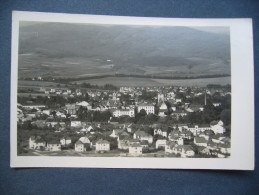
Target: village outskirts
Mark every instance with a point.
(108, 121)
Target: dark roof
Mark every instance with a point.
(53, 142)
(200, 140)
(135, 145)
(102, 142)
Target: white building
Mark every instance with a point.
(135, 149)
(150, 109)
(54, 146)
(76, 124)
(65, 141)
(124, 112)
(162, 132)
(160, 143)
(217, 127)
(80, 147)
(102, 145)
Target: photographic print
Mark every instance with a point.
(103, 91)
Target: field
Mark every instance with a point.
(36, 83)
(146, 82)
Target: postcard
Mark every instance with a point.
(131, 92)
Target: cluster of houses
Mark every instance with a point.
(185, 140)
(182, 140)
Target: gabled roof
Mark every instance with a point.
(142, 133)
(84, 140)
(53, 142)
(135, 145)
(144, 142)
(79, 142)
(200, 140)
(102, 142)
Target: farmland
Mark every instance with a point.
(146, 82)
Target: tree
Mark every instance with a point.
(82, 113)
(225, 116)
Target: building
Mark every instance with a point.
(162, 132)
(197, 129)
(36, 143)
(76, 124)
(80, 147)
(163, 110)
(200, 141)
(169, 147)
(102, 145)
(217, 127)
(54, 145)
(160, 143)
(150, 109)
(142, 135)
(65, 141)
(124, 112)
(135, 149)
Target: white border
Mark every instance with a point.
(242, 140)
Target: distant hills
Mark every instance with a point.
(77, 49)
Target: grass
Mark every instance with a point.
(148, 82)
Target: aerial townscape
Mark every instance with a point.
(108, 121)
(112, 90)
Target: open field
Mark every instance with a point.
(36, 83)
(147, 82)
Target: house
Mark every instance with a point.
(65, 141)
(186, 134)
(197, 129)
(80, 147)
(123, 135)
(102, 145)
(116, 132)
(85, 140)
(36, 143)
(169, 147)
(47, 112)
(54, 145)
(204, 150)
(194, 108)
(163, 110)
(135, 149)
(179, 113)
(149, 108)
(162, 132)
(200, 141)
(70, 108)
(124, 112)
(123, 144)
(218, 138)
(225, 148)
(186, 151)
(180, 141)
(160, 143)
(129, 128)
(142, 135)
(144, 144)
(76, 124)
(84, 104)
(217, 127)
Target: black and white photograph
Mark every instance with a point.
(126, 90)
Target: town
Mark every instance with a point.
(108, 121)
